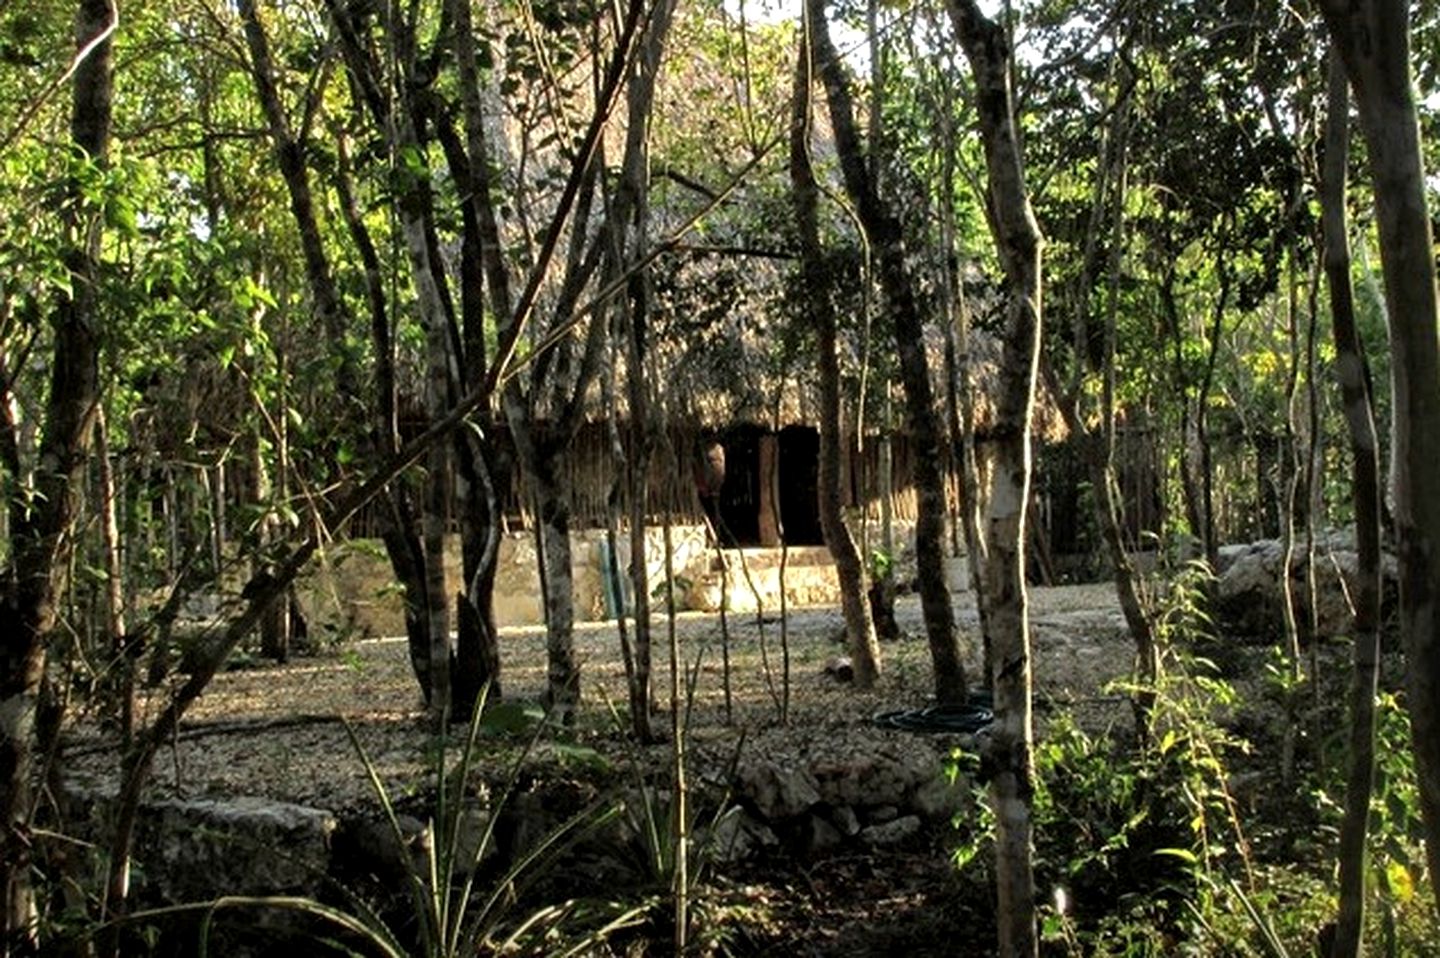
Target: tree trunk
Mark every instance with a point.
(1019, 243)
(41, 544)
(477, 662)
(1290, 600)
(274, 627)
(638, 486)
(118, 646)
(1354, 378)
(960, 397)
(552, 513)
(290, 158)
(414, 213)
(564, 403)
(887, 241)
(399, 524)
(1373, 39)
(1098, 446)
(859, 627)
(477, 646)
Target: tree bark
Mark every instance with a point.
(960, 397)
(1354, 379)
(477, 663)
(42, 541)
(859, 627)
(887, 240)
(1098, 445)
(1019, 243)
(1373, 40)
(118, 645)
(541, 446)
(399, 524)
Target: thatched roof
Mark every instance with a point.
(740, 372)
(722, 352)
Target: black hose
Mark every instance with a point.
(970, 717)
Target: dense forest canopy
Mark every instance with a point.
(1110, 281)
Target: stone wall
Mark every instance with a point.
(351, 591)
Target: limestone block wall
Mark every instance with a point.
(350, 591)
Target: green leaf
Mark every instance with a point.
(1184, 854)
(511, 717)
(1399, 882)
(580, 754)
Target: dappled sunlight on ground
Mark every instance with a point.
(277, 730)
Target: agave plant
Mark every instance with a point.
(455, 915)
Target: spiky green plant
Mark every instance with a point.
(456, 916)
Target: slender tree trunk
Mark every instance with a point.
(1293, 622)
(679, 787)
(433, 524)
(1019, 244)
(1373, 39)
(290, 158)
(1189, 488)
(1128, 586)
(859, 627)
(562, 690)
(638, 487)
(960, 399)
(882, 589)
(274, 632)
(122, 661)
(41, 544)
(1354, 379)
(628, 223)
(399, 525)
(887, 241)
(538, 454)
(477, 646)
(413, 211)
(1098, 445)
(1208, 532)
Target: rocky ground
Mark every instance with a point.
(275, 731)
(839, 844)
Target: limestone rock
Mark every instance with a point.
(883, 774)
(1249, 594)
(737, 837)
(844, 818)
(938, 798)
(891, 833)
(371, 845)
(778, 791)
(820, 836)
(472, 826)
(881, 814)
(199, 849)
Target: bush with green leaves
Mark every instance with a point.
(1132, 837)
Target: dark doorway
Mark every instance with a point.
(798, 480)
(739, 500)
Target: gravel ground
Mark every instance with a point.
(275, 731)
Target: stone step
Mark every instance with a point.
(756, 557)
(805, 585)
